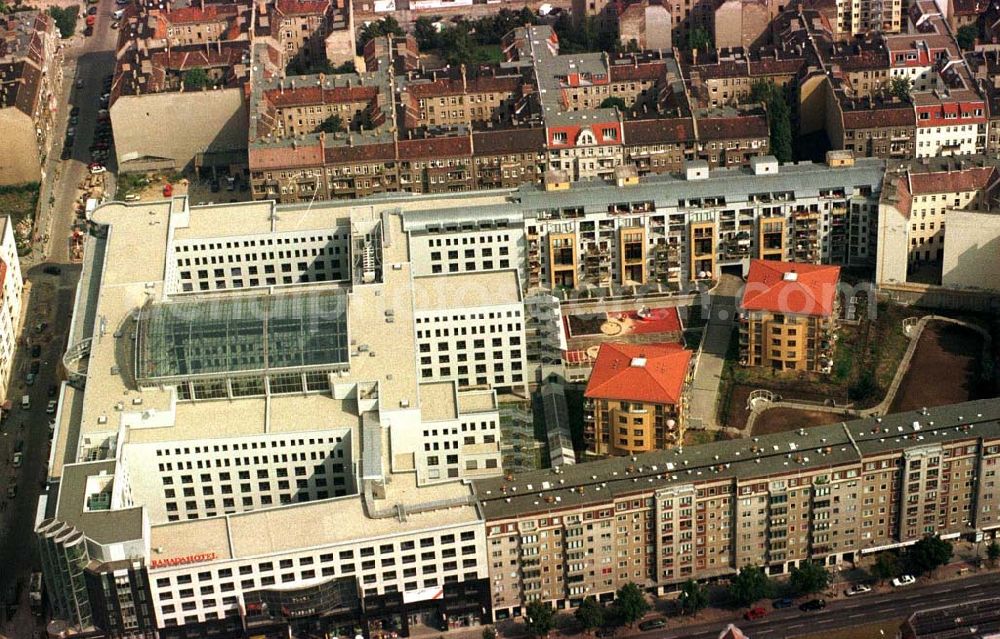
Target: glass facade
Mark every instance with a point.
(213, 338)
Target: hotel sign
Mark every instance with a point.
(182, 561)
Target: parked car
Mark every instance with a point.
(755, 613)
(52, 270)
(857, 589)
(79, 85)
(784, 602)
(50, 409)
(92, 10)
(75, 111)
(36, 350)
(96, 168)
(29, 379)
(12, 491)
(34, 367)
(66, 154)
(653, 624)
(812, 605)
(89, 31)
(53, 390)
(74, 120)
(114, 25)
(17, 460)
(904, 580)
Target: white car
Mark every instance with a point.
(17, 460)
(94, 170)
(905, 580)
(857, 589)
(51, 408)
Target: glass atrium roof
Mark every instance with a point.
(241, 334)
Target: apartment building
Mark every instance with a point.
(788, 316)
(11, 286)
(918, 199)
(635, 398)
(30, 78)
(830, 494)
(254, 368)
(488, 126)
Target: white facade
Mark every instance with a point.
(957, 139)
(10, 308)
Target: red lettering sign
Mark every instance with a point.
(182, 561)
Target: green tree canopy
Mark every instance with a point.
(538, 619)
(749, 585)
(966, 36)
(333, 124)
(886, 566)
(809, 577)
(693, 598)
(384, 27)
(929, 553)
(900, 88)
(779, 117)
(196, 79)
(426, 32)
(489, 632)
(590, 614)
(614, 102)
(65, 19)
(630, 603)
(700, 39)
(993, 552)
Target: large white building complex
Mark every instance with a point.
(274, 414)
(11, 286)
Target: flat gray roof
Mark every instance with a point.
(745, 459)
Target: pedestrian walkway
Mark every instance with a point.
(704, 395)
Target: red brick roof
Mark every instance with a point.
(279, 157)
(789, 287)
(301, 96)
(951, 181)
(740, 127)
(640, 71)
(301, 7)
(658, 131)
(880, 117)
(435, 148)
(195, 14)
(361, 153)
(498, 141)
(651, 373)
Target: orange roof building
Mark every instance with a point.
(635, 398)
(789, 316)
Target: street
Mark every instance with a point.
(48, 300)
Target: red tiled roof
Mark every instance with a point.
(741, 127)
(641, 71)
(301, 7)
(311, 95)
(195, 13)
(361, 153)
(880, 117)
(651, 373)
(285, 156)
(435, 148)
(951, 181)
(658, 131)
(497, 141)
(789, 287)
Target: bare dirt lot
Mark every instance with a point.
(943, 369)
(738, 413)
(778, 420)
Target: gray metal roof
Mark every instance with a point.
(102, 526)
(742, 459)
(735, 184)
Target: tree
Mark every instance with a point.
(967, 36)
(693, 598)
(886, 566)
(196, 79)
(458, 46)
(993, 552)
(489, 632)
(590, 614)
(538, 619)
(614, 102)
(384, 27)
(809, 577)
(65, 19)
(749, 585)
(630, 603)
(929, 553)
(700, 39)
(900, 88)
(426, 33)
(333, 124)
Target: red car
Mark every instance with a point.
(755, 613)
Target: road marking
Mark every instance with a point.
(798, 625)
(855, 616)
